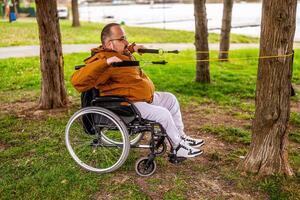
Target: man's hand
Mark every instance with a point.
(113, 60)
(137, 47)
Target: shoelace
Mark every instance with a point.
(189, 140)
(184, 147)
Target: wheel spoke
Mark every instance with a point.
(87, 144)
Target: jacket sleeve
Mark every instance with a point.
(92, 74)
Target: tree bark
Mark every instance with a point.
(268, 149)
(53, 93)
(201, 42)
(75, 14)
(225, 31)
(6, 10)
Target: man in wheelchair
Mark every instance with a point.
(131, 82)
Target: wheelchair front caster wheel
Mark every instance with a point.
(144, 167)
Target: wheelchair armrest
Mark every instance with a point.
(109, 99)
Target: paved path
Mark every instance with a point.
(27, 51)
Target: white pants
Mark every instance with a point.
(165, 110)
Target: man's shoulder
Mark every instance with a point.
(99, 54)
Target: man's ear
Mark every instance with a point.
(108, 45)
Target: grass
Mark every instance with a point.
(178, 76)
(295, 136)
(278, 187)
(36, 155)
(230, 134)
(25, 32)
(35, 164)
(295, 119)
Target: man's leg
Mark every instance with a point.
(170, 102)
(162, 116)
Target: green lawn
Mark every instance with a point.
(34, 162)
(232, 82)
(25, 32)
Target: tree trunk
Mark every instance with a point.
(225, 31)
(75, 14)
(268, 149)
(201, 42)
(6, 10)
(53, 93)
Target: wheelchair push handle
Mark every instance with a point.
(160, 62)
(157, 51)
(126, 63)
(77, 67)
(136, 63)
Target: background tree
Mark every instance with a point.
(225, 30)
(75, 14)
(53, 93)
(201, 42)
(268, 149)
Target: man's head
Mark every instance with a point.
(113, 37)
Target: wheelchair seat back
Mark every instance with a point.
(119, 105)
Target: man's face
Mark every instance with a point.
(117, 41)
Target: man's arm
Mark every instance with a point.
(94, 73)
(86, 77)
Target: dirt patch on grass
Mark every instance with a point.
(197, 178)
(29, 109)
(295, 106)
(3, 146)
(197, 116)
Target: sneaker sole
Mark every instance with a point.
(199, 145)
(195, 155)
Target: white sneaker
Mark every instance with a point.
(193, 142)
(184, 150)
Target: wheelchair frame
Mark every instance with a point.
(128, 120)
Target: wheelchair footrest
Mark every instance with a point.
(174, 159)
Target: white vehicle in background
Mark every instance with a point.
(63, 12)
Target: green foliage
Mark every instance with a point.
(25, 32)
(273, 185)
(295, 119)
(294, 160)
(295, 136)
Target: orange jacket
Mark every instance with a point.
(130, 82)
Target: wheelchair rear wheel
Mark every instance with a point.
(86, 138)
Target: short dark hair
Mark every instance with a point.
(105, 33)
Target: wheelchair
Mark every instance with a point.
(100, 135)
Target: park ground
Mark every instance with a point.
(35, 164)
